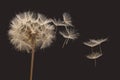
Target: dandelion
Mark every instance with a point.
(94, 56)
(29, 31)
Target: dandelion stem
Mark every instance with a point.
(66, 29)
(64, 43)
(100, 49)
(67, 41)
(95, 62)
(32, 63)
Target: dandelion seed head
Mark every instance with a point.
(29, 28)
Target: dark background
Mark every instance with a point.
(92, 19)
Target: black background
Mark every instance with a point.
(92, 19)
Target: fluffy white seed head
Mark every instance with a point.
(29, 28)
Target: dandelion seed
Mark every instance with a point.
(67, 19)
(93, 42)
(59, 23)
(70, 35)
(90, 44)
(98, 41)
(94, 56)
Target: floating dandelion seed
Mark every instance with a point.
(71, 34)
(98, 41)
(59, 22)
(29, 30)
(92, 43)
(94, 56)
(67, 19)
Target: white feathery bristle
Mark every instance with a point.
(94, 55)
(93, 42)
(67, 19)
(71, 34)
